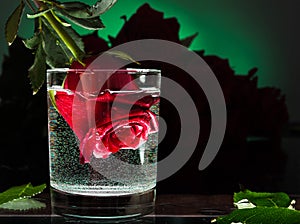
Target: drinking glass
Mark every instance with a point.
(103, 139)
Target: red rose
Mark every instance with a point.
(108, 138)
(113, 128)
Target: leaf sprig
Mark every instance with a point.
(20, 197)
(55, 42)
(262, 208)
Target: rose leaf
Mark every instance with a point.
(101, 7)
(38, 69)
(33, 42)
(75, 9)
(264, 199)
(75, 36)
(19, 192)
(57, 52)
(121, 55)
(12, 24)
(94, 23)
(261, 215)
(84, 11)
(23, 204)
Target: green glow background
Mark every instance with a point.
(248, 33)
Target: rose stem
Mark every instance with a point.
(65, 37)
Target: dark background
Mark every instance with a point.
(262, 34)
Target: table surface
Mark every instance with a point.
(169, 209)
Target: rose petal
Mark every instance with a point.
(64, 103)
(104, 140)
(74, 111)
(92, 144)
(153, 123)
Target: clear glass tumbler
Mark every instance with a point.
(103, 138)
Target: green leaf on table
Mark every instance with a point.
(37, 71)
(261, 215)
(23, 204)
(264, 199)
(19, 192)
(12, 24)
(261, 208)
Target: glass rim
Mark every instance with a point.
(137, 70)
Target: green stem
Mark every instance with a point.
(70, 43)
(65, 37)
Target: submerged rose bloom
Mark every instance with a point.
(118, 134)
(120, 121)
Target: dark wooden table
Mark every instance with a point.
(198, 209)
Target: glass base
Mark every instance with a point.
(102, 207)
